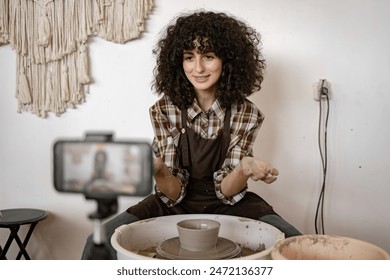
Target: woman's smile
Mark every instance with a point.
(201, 79)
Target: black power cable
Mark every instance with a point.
(319, 217)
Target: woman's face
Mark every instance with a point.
(202, 70)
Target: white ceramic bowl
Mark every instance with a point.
(326, 247)
(139, 240)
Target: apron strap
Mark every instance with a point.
(226, 131)
(185, 150)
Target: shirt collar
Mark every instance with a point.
(215, 108)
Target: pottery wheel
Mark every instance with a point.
(225, 249)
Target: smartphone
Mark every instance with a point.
(103, 167)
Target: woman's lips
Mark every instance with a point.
(201, 78)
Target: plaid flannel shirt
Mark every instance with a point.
(166, 121)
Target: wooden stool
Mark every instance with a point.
(13, 219)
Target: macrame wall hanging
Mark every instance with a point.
(50, 38)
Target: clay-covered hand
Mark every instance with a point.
(258, 169)
(168, 184)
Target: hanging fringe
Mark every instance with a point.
(44, 31)
(83, 65)
(50, 38)
(48, 92)
(65, 93)
(119, 21)
(4, 27)
(24, 94)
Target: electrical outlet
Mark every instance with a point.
(321, 89)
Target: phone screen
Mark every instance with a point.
(122, 168)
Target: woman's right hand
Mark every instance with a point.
(166, 182)
(157, 164)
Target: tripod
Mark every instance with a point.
(106, 206)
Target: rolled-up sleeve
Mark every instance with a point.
(164, 145)
(245, 126)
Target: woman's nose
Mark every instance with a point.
(199, 66)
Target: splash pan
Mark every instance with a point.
(140, 240)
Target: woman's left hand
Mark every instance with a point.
(258, 169)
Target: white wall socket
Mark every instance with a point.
(321, 88)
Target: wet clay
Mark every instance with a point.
(327, 247)
(151, 252)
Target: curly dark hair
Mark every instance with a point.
(232, 40)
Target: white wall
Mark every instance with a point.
(345, 42)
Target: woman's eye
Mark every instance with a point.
(209, 56)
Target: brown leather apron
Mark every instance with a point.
(202, 157)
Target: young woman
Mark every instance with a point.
(208, 63)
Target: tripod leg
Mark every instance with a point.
(100, 248)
